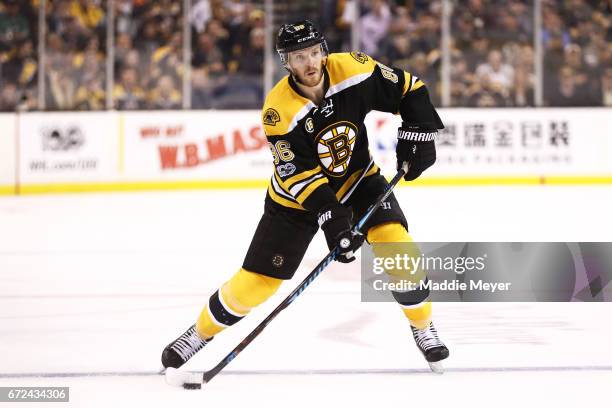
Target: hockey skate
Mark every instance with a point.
(183, 348)
(433, 349)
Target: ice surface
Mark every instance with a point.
(93, 286)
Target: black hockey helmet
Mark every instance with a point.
(296, 36)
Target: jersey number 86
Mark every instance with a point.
(281, 150)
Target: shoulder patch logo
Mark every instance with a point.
(359, 56)
(271, 117)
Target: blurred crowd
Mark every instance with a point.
(18, 61)
(577, 40)
(227, 38)
(492, 57)
(492, 51)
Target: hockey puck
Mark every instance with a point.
(192, 386)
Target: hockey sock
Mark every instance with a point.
(414, 303)
(236, 297)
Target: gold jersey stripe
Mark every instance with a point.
(373, 170)
(299, 177)
(308, 190)
(417, 85)
(407, 79)
(348, 184)
(407, 83)
(281, 200)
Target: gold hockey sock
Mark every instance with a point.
(415, 304)
(234, 300)
(419, 315)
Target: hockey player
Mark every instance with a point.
(324, 177)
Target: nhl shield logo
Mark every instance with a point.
(335, 146)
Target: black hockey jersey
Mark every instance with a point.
(322, 151)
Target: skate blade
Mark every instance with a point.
(437, 367)
(186, 379)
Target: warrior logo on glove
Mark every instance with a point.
(416, 146)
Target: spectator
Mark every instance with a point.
(477, 52)
(399, 52)
(606, 88)
(207, 54)
(14, 27)
(570, 92)
(9, 97)
(373, 27)
(88, 13)
(524, 78)
(573, 58)
(128, 94)
(200, 15)
(251, 59)
(495, 73)
(22, 68)
(166, 60)
(147, 39)
(61, 88)
(123, 46)
(165, 95)
(91, 94)
(201, 89)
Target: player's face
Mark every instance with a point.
(307, 65)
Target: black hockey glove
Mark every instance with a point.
(415, 145)
(335, 221)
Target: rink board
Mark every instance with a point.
(169, 150)
(66, 148)
(8, 153)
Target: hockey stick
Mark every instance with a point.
(191, 380)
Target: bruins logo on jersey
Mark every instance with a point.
(335, 145)
(271, 117)
(359, 57)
